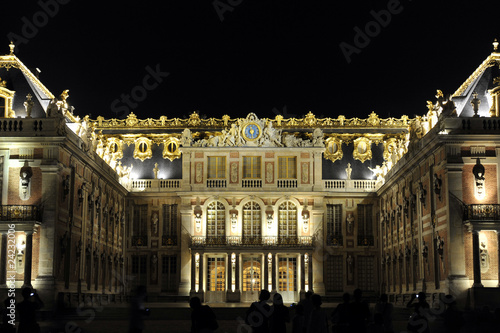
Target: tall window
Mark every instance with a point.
(251, 274)
(140, 220)
(216, 218)
(333, 224)
(169, 273)
(287, 277)
(216, 274)
(365, 225)
(252, 221)
(287, 167)
(287, 220)
(170, 220)
(139, 269)
(216, 167)
(251, 167)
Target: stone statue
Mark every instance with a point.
(317, 140)
(155, 170)
(348, 171)
(350, 222)
(186, 138)
(28, 105)
(484, 256)
(350, 268)
(154, 221)
(25, 182)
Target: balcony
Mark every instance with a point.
(15, 213)
(334, 240)
(287, 183)
(155, 185)
(350, 185)
(252, 241)
(216, 183)
(251, 183)
(482, 212)
(366, 241)
(168, 240)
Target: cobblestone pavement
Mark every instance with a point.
(176, 318)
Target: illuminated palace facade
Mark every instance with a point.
(222, 208)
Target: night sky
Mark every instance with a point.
(235, 57)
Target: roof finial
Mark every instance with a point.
(495, 45)
(12, 46)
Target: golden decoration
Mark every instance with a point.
(492, 60)
(171, 148)
(390, 147)
(362, 149)
(333, 150)
(142, 149)
(3, 83)
(114, 147)
(12, 47)
(310, 119)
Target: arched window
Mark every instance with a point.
(216, 220)
(287, 221)
(252, 222)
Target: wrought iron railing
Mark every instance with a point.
(246, 241)
(168, 240)
(366, 241)
(334, 240)
(19, 213)
(482, 212)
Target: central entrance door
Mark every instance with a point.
(216, 279)
(251, 279)
(287, 279)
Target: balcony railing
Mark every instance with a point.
(19, 213)
(334, 240)
(168, 240)
(482, 212)
(252, 241)
(155, 184)
(216, 183)
(287, 183)
(350, 185)
(251, 183)
(139, 240)
(366, 241)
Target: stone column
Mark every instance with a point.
(266, 272)
(302, 261)
(498, 249)
(310, 272)
(28, 259)
(237, 274)
(476, 260)
(200, 276)
(193, 273)
(229, 284)
(3, 260)
(273, 277)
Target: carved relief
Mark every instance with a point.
(25, 181)
(198, 178)
(333, 149)
(305, 173)
(171, 148)
(362, 149)
(269, 173)
(154, 222)
(142, 149)
(350, 223)
(234, 172)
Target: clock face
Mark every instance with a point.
(251, 131)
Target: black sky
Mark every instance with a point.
(265, 57)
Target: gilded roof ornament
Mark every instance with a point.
(495, 45)
(3, 83)
(12, 47)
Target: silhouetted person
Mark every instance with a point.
(308, 306)
(9, 303)
(27, 311)
(137, 310)
(258, 314)
(360, 313)
(418, 321)
(318, 320)
(453, 318)
(203, 319)
(279, 315)
(385, 308)
(298, 322)
(341, 316)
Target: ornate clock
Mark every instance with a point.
(251, 132)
